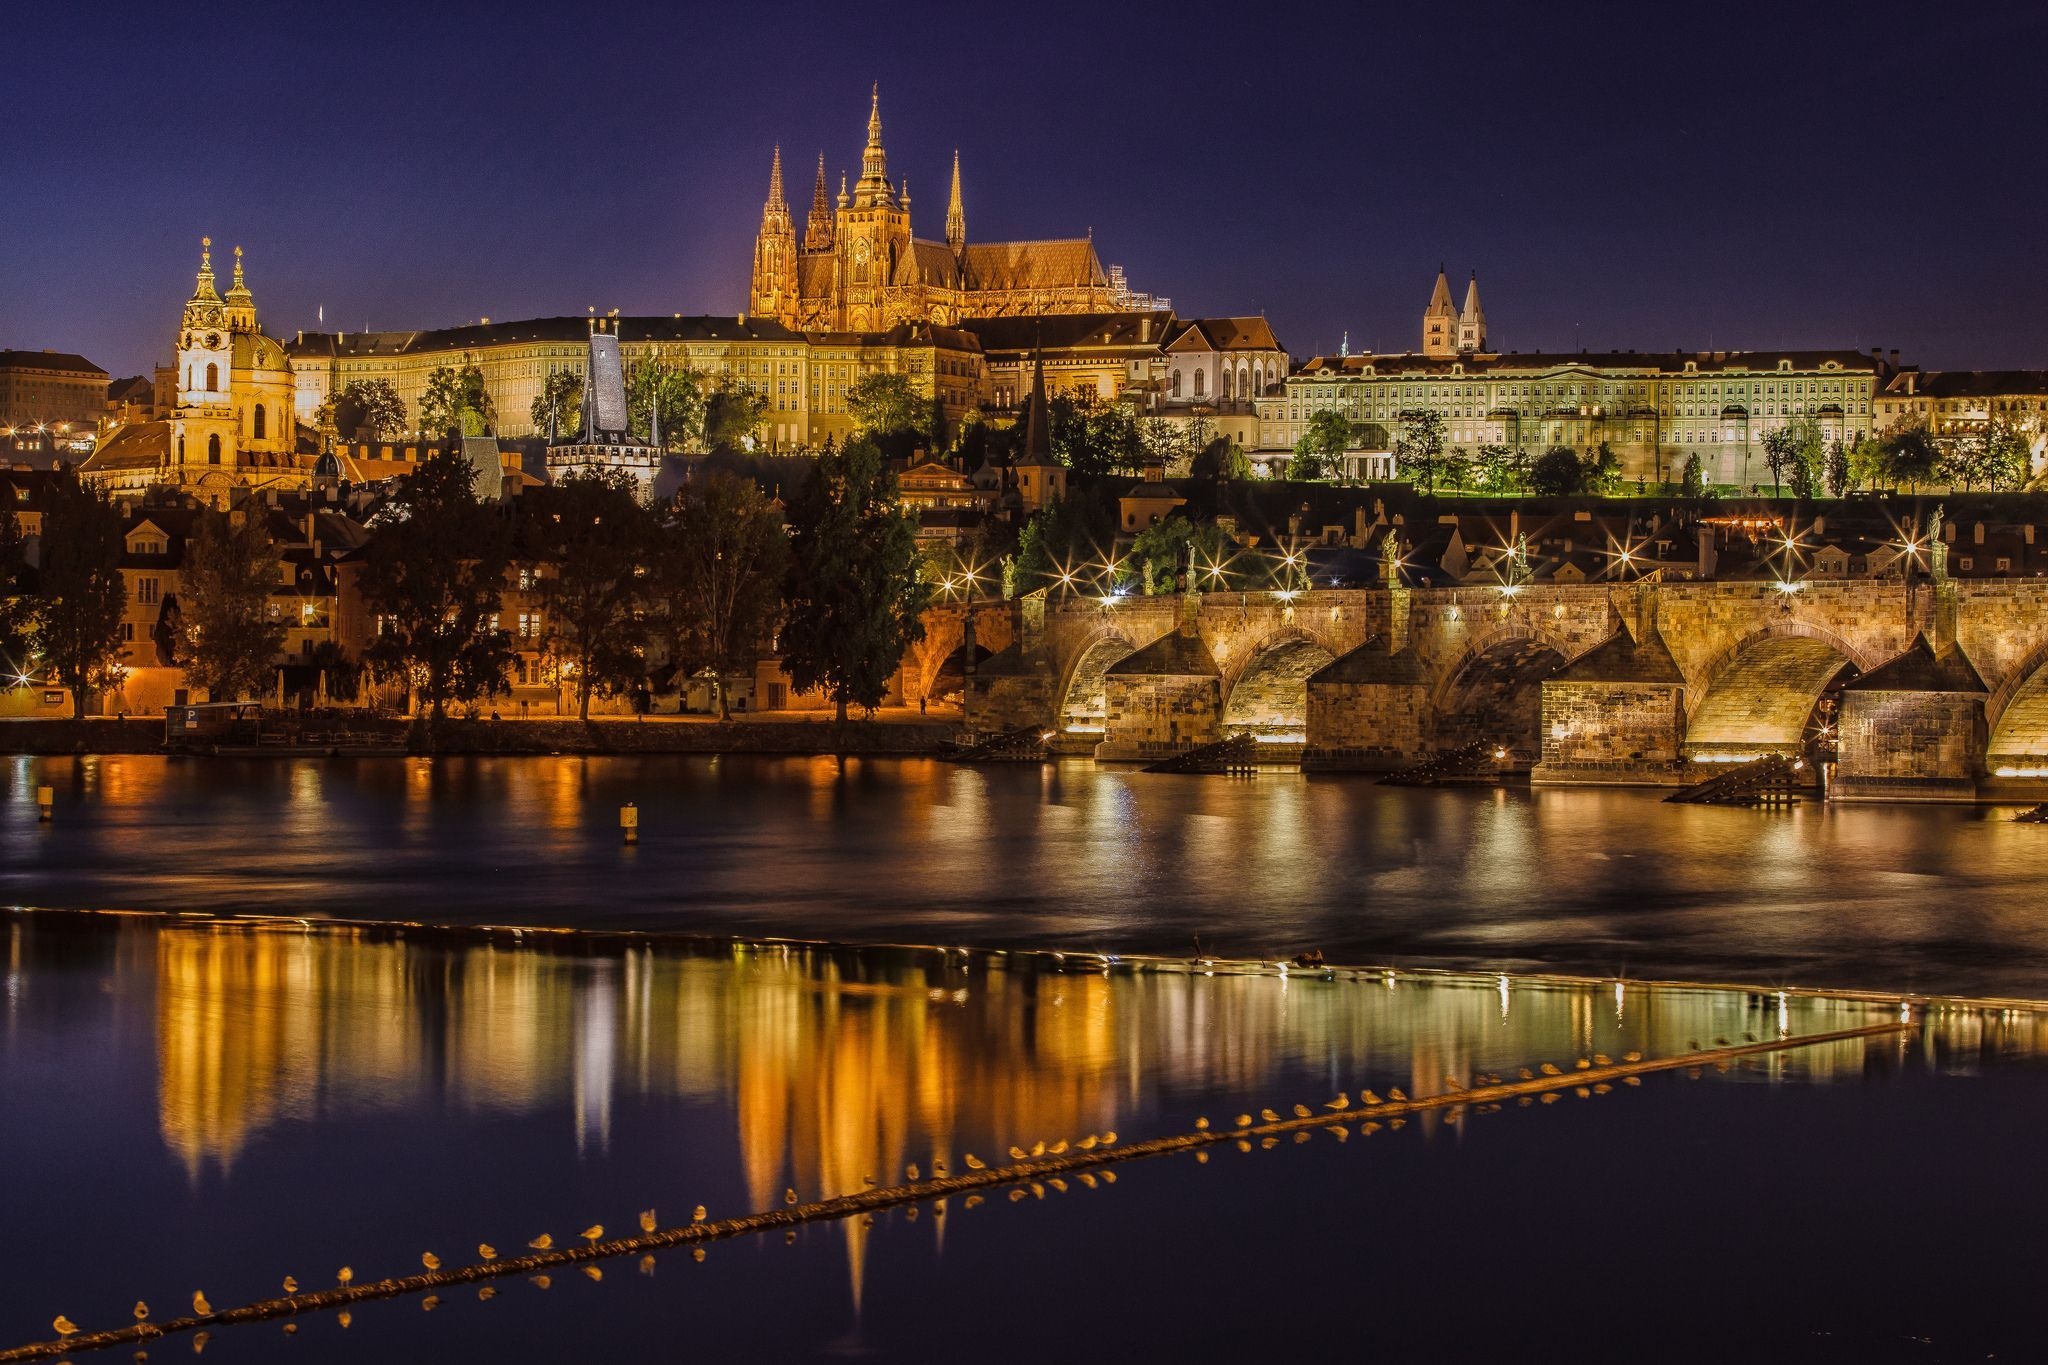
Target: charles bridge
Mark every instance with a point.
(1934, 689)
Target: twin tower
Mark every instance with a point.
(1448, 331)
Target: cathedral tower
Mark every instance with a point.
(1472, 321)
(874, 235)
(774, 289)
(1440, 320)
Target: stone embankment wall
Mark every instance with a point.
(140, 736)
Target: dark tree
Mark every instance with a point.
(82, 594)
(732, 414)
(17, 606)
(1064, 547)
(722, 561)
(455, 399)
(228, 640)
(558, 408)
(1420, 446)
(431, 577)
(595, 539)
(1558, 472)
(366, 406)
(854, 594)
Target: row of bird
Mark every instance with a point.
(649, 1223)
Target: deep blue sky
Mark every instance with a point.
(1623, 175)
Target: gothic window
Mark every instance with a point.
(212, 445)
(1198, 383)
(259, 422)
(212, 378)
(1173, 385)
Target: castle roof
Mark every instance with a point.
(1225, 334)
(137, 445)
(1058, 263)
(575, 330)
(1662, 362)
(1070, 331)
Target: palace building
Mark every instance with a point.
(858, 267)
(1653, 409)
(231, 423)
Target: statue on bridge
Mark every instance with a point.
(1937, 549)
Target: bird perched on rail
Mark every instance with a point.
(1367, 1097)
(544, 1242)
(789, 1195)
(345, 1274)
(291, 1286)
(1582, 1065)
(64, 1326)
(1109, 1138)
(1019, 1154)
(1397, 1095)
(1038, 1147)
(1601, 1059)
(1631, 1056)
(1269, 1116)
(910, 1172)
(1340, 1104)
(593, 1232)
(486, 1251)
(1202, 1125)
(1244, 1120)
(430, 1260)
(647, 1220)
(697, 1214)
(1549, 1070)
(1058, 1148)
(1301, 1111)
(974, 1163)
(199, 1303)
(142, 1309)
(1087, 1144)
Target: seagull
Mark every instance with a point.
(1109, 1138)
(1301, 1111)
(1340, 1104)
(593, 1232)
(1244, 1120)
(1015, 1195)
(141, 1311)
(1368, 1128)
(975, 1163)
(1057, 1183)
(1202, 1125)
(789, 1196)
(65, 1326)
(291, 1286)
(697, 1214)
(1038, 1147)
(346, 1274)
(1269, 1116)
(1582, 1065)
(1397, 1095)
(1367, 1097)
(1526, 1074)
(1089, 1180)
(911, 1172)
(543, 1242)
(1087, 1144)
(1058, 1148)
(1720, 1042)
(430, 1260)
(1018, 1154)
(487, 1251)
(199, 1303)
(1602, 1059)
(974, 1200)
(647, 1222)
(1549, 1070)
(1631, 1056)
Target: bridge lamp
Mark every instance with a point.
(1787, 586)
(1510, 589)
(1287, 594)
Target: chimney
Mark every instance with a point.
(1895, 357)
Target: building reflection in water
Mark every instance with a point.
(840, 1067)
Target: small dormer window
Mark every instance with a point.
(1784, 367)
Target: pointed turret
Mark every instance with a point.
(1440, 320)
(776, 203)
(818, 227)
(774, 283)
(956, 212)
(1472, 320)
(203, 290)
(874, 162)
(241, 303)
(1037, 419)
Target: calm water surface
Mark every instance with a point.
(204, 1106)
(1906, 898)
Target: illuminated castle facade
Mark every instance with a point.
(857, 267)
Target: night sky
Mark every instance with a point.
(1621, 176)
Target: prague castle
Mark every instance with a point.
(858, 267)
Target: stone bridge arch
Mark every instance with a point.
(2016, 714)
(1493, 690)
(1080, 701)
(1265, 692)
(1759, 694)
(940, 659)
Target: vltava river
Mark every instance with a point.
(1607, 883)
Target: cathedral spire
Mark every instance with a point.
(1037, 420)
(241, 303)
(776, 203)
(874, 163)
(818, 227)
(956, 214)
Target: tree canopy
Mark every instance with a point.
(81, 592)
(854, 594)
(721, 564)
(456, 400)
(228, 639)
(595, 538)
(733, 412)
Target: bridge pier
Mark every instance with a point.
(1165, 699)
(1368, 711)
(1912, 729)
(1615, 716)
